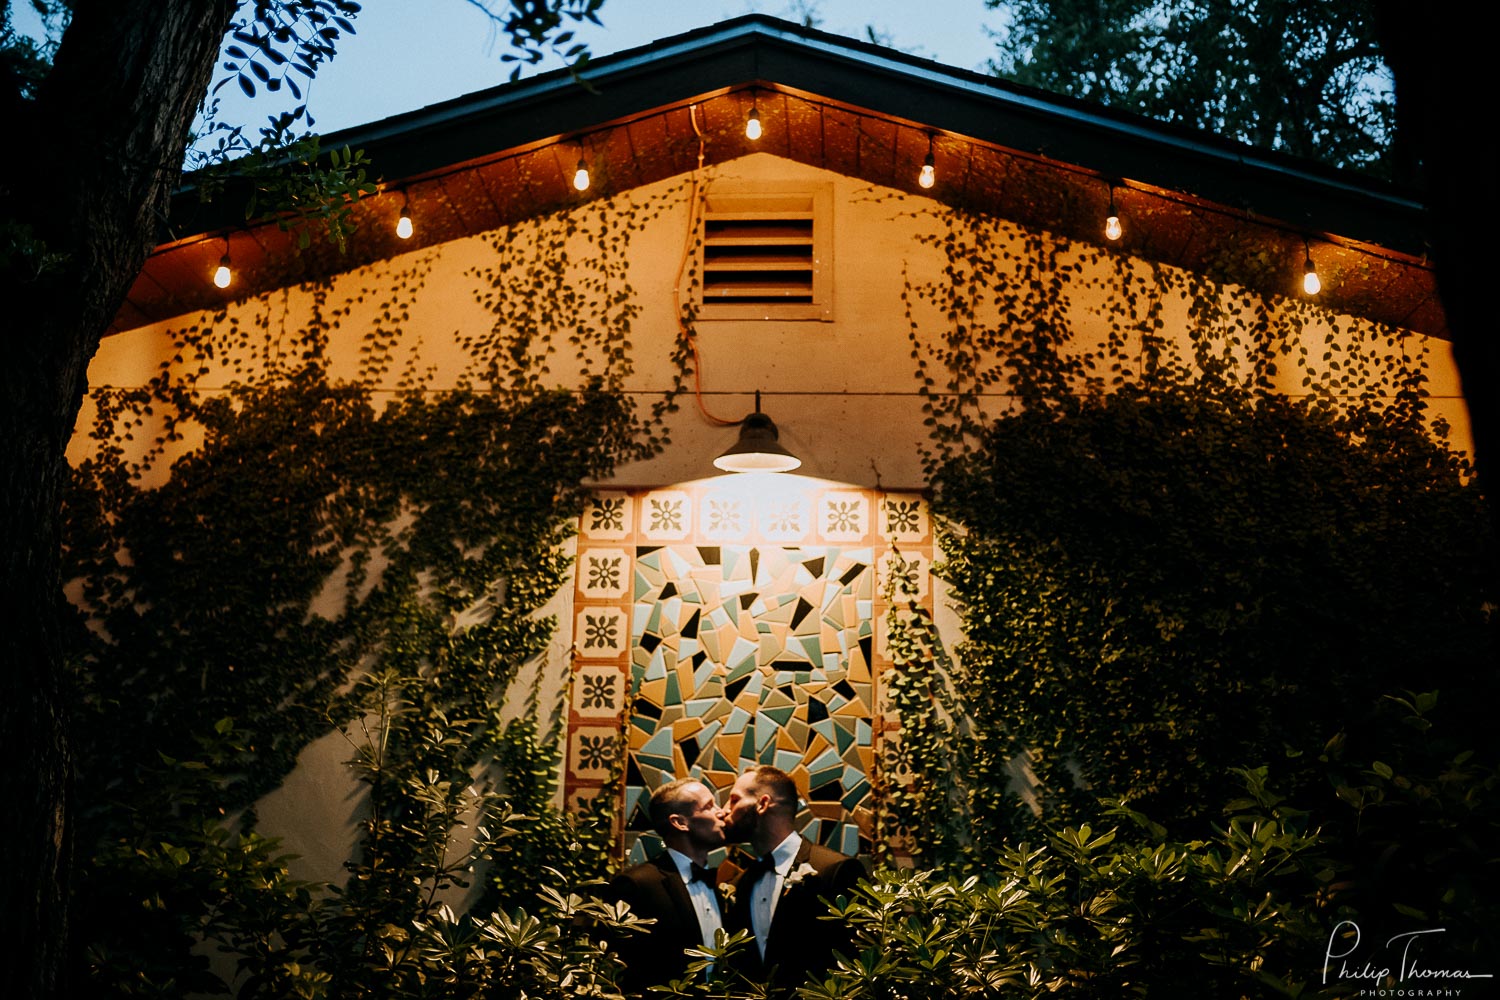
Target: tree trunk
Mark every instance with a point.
(91, 165)
(1442, 65)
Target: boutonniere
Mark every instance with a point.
(726, 891)
(795, 877)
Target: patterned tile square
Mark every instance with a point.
(903, 517)
(785, 519)
(666, 515)
(598, 691)
(902, 576)
(603, 574)
(601, 633)
(608, 516)
(843, 517)
(592, 752)
(724, 517)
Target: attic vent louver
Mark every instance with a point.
(765, 255)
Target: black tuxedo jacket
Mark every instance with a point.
(799, 944)
(654, 889)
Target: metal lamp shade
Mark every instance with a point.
(757, 450)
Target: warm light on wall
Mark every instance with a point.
(581, 176)
(222, 274)
(404, 227)
(928, 177)
(1311, 283)
(1112, 228)
(752, 124)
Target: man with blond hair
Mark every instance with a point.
(676, 888)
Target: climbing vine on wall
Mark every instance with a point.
(294, 534)
(1188, 528)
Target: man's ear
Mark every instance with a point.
(677, 821)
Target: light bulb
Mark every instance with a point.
(403, 225)
(1112, 228)
(581, 176)
(752, 125)
(928, 177)
(222, 275)
(1311, 283)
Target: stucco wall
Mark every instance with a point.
(842, 392)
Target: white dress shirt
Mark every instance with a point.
(766, 892)
(705, 903)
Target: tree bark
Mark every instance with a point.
(92, 163)
(1442, 64)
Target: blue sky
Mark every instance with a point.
(407, 54)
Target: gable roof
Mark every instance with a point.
(1044, 161)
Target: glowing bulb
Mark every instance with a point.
(403, 225)
(1311, 283)
(928, 177)
(752, 125)
(581, 176)
(222, 275)
(1112, 228)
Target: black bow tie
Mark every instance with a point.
(759, 866)
(702, 874)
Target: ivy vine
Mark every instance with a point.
(295, 553)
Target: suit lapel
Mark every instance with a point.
(786, 907)
(676, 891)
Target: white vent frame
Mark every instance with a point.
(751, 268)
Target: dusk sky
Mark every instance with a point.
(409, 54)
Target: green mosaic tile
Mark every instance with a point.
(856, 794)
(744, 668)
(694, 606)
(817, 779)
(845, 740)
(765, 731)
(697, 708)
(781, 716)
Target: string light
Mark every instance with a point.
(581, 176)
(928, 177)
(222, 275)
(404, 227)
(1311, 283)
(1112, 228)
(752, 124)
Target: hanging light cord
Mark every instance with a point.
(687, 334)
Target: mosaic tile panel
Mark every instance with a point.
(744, 655)
(717, 627)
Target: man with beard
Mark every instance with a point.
(782, 894)
(675, 888)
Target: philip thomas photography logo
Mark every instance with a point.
(1404, 966)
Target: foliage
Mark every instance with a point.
(298, 557)
(1188, 531)
(1165, 563)
(1252, 908)
(1304, 78)
(1102, 912)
